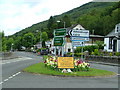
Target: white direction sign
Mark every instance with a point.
(77, 43)
(79, 33)
(79, 38)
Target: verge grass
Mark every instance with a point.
(40, 68)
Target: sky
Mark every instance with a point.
(16, 15)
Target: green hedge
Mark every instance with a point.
(86, 48)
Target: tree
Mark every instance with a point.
(10, 43)
(52, 24)
(28, 40)
(3, 40)
(18, 43)
(44, 38)
(66, 20)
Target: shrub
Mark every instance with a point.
(100, 44)
(110, 54)
(96, 52)
(78, 54)
(86, 48)
(117, 53)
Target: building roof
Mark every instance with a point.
(73, 26)
(97, 36)
(112, 33)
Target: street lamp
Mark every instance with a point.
(63, 22)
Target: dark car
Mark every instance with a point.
(44, 52)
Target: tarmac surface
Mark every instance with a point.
(13, 77)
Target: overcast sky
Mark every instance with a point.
(16, 15)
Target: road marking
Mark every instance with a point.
(1, 82)
(10, 77)
(20, 59)
(6, 80)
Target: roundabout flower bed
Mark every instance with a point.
(49, 67)
(79, 65)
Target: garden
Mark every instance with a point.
(49, 66)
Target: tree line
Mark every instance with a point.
(27, 41)
(101, 20)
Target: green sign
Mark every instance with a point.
(58, 41)
(59, 32)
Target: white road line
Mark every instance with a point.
(20, 59)
(10, 77)
(1, 82)
(6, 80)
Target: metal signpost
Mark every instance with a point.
(79, 33)
(73, 38)
(58, 41)
(59, 32)
(78, 37)
(59, 38)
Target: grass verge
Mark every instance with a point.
(40, 68)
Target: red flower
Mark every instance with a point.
(55, 60)
(79, 62)
(45, 61)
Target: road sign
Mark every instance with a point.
(79, 33)
(77, 43)
(79, 39)
(58, 41)
(65, 62)
(59, 32)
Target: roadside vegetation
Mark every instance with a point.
(40, 68)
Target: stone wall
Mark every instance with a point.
(108, 59)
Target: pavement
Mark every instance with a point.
(13, 77)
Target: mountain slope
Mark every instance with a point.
(75, 15)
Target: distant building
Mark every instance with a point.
(112, 40)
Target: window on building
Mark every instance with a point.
(69, 50)
(110, 43)
(117, 29)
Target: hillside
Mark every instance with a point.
(85, 15)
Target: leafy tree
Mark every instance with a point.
(10, 43)
(3, 40)
(28, 40)
(44, 38)
(18, 43)
(66, 20)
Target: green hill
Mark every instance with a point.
(93, 15)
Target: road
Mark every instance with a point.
(13, 77)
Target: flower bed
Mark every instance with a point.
(79, 65)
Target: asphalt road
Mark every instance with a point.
(13, 77)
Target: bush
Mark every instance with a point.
(100, 44)
(110, 54)
(86, 48)
(69, 54)
(117, 53)
(96, 52)
(78, 54)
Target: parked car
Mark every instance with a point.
(44, 52)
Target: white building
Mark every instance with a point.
(112, 40)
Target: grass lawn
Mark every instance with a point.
(40, 68)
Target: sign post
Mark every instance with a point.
(78, 37)
(59, 38)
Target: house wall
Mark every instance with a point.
(78, 27)
(118, 45)
(106, 47)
